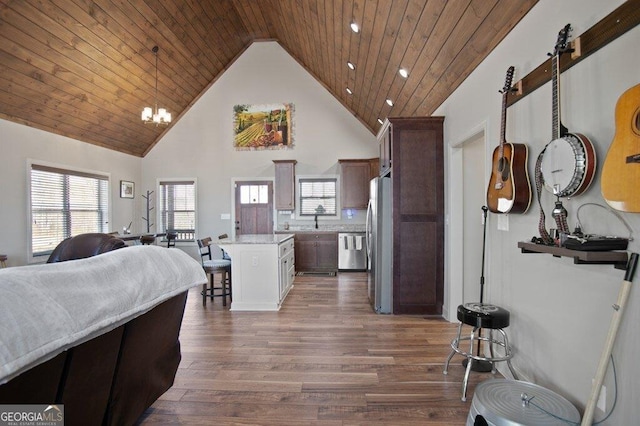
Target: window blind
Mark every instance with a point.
(318, 197)
(178, 208)
(65, 203)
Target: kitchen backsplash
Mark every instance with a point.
(339, 227)
(351, 221)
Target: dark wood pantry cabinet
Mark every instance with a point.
(413, 150)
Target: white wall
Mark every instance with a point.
(201, 144)
(20, 143)
(560, 312)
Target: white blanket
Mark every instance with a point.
(46, 309)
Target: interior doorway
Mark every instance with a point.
(253, 207)
(466, 195)
(474, 197)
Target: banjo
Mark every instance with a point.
(568, 162)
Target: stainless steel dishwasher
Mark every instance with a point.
(352, 251)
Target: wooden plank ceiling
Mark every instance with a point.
(85, 69)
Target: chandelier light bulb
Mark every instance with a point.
(147, 113)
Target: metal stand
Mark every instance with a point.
(481, 366)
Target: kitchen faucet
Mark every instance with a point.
(319, 210)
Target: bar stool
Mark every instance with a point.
(481, 316)
(3, 260)
(212, 266)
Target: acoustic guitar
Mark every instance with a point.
(509, 190)
(621, 170)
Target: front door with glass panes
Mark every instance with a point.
(254, 207)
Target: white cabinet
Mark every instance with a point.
(262, 270)
(287, 267)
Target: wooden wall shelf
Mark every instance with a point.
(612, 26)
(616, 258)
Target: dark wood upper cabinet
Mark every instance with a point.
(417, 175)
(285, 184)
(374, 167)
(384, 144)
(355, 176)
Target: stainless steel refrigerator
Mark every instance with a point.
(379, 238)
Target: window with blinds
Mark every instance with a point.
(177, 202)
(318, 197)
(65, 203)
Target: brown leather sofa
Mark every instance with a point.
(85, 245)
(113, 378)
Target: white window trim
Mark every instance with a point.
(158, 209)
(338, 214)
(30, 162)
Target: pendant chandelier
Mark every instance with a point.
(155, 115)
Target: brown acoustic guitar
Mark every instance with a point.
(509, 189)
(621, 170)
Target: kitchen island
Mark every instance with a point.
(262, 270)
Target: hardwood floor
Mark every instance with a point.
(324, 359)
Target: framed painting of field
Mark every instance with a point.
(260, 127)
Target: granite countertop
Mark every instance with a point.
(358, 227)
(256, 239)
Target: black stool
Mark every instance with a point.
(481, 316)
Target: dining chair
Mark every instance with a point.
(171, 238)
(147, 239)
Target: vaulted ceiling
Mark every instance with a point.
(85, 69)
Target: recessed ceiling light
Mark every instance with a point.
(349, 91)
(389, 102)
(354, 27)
(351, 66)
(380, 121)
(404, 73)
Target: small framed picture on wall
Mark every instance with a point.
(126, 189)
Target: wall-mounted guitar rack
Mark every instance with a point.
(612, 26)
